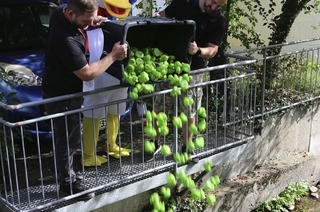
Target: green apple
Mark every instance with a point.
(177, 158)
(196, 194)
(150, 131)
(211, 199)
(215, 180)
(190, 145)
(177, 121)
(133, 95)
(186, 157)
(157, 205)
(166, 192)
(209, 186)
(163, 130)
(193, 128)
(162, 116)
(183, 117)
(207, 166)
(175, 91)
(187, 101)
(184, 181)
(186, 77)
(171, 79)
(154, 115)
(138, 87)
(199, 142)
(202, 194)
(163, 190)
(185, 67)
(202, 125)
(165, 150)
(149, 116)
(171, 181)
(184, 84)
(147, 88)
(149, 147)
(182, 175)
(163, 207)
(154, 197)
(143, 77)
(202, 112)
(190, 184)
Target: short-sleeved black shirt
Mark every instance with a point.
(210, 28)
(66, 53)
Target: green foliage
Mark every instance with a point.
(303, 80)
(285, 199)
(149, 7)
(281, 21)
(312, 7)
(291, 79)
(187, 205)
(242, 23)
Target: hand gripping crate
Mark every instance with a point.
(169, 35)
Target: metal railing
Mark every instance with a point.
(26, 184)
(255, 83)
(287, 73)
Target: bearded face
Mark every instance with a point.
(213, 5)
(83, 21)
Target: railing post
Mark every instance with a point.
(263, 81)
(175, 130)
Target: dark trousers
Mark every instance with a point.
(66, 136)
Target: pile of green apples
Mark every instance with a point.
(151, 65)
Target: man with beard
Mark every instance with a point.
(66, 67)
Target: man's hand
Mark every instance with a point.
(119, 52)
(98, 20)
(193, 48)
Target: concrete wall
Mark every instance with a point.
(287, 151)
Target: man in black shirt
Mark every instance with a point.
(66, 67)
(211, 27)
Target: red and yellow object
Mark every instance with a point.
(114, 8)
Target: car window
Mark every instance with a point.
(24, 26)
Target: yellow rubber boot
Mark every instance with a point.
(113, 127)
(91, 129)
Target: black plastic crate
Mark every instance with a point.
(169, 35)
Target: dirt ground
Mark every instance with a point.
(308, 204)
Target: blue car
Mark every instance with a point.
(23, 31)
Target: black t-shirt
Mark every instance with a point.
(210, 28)
(66, 53)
